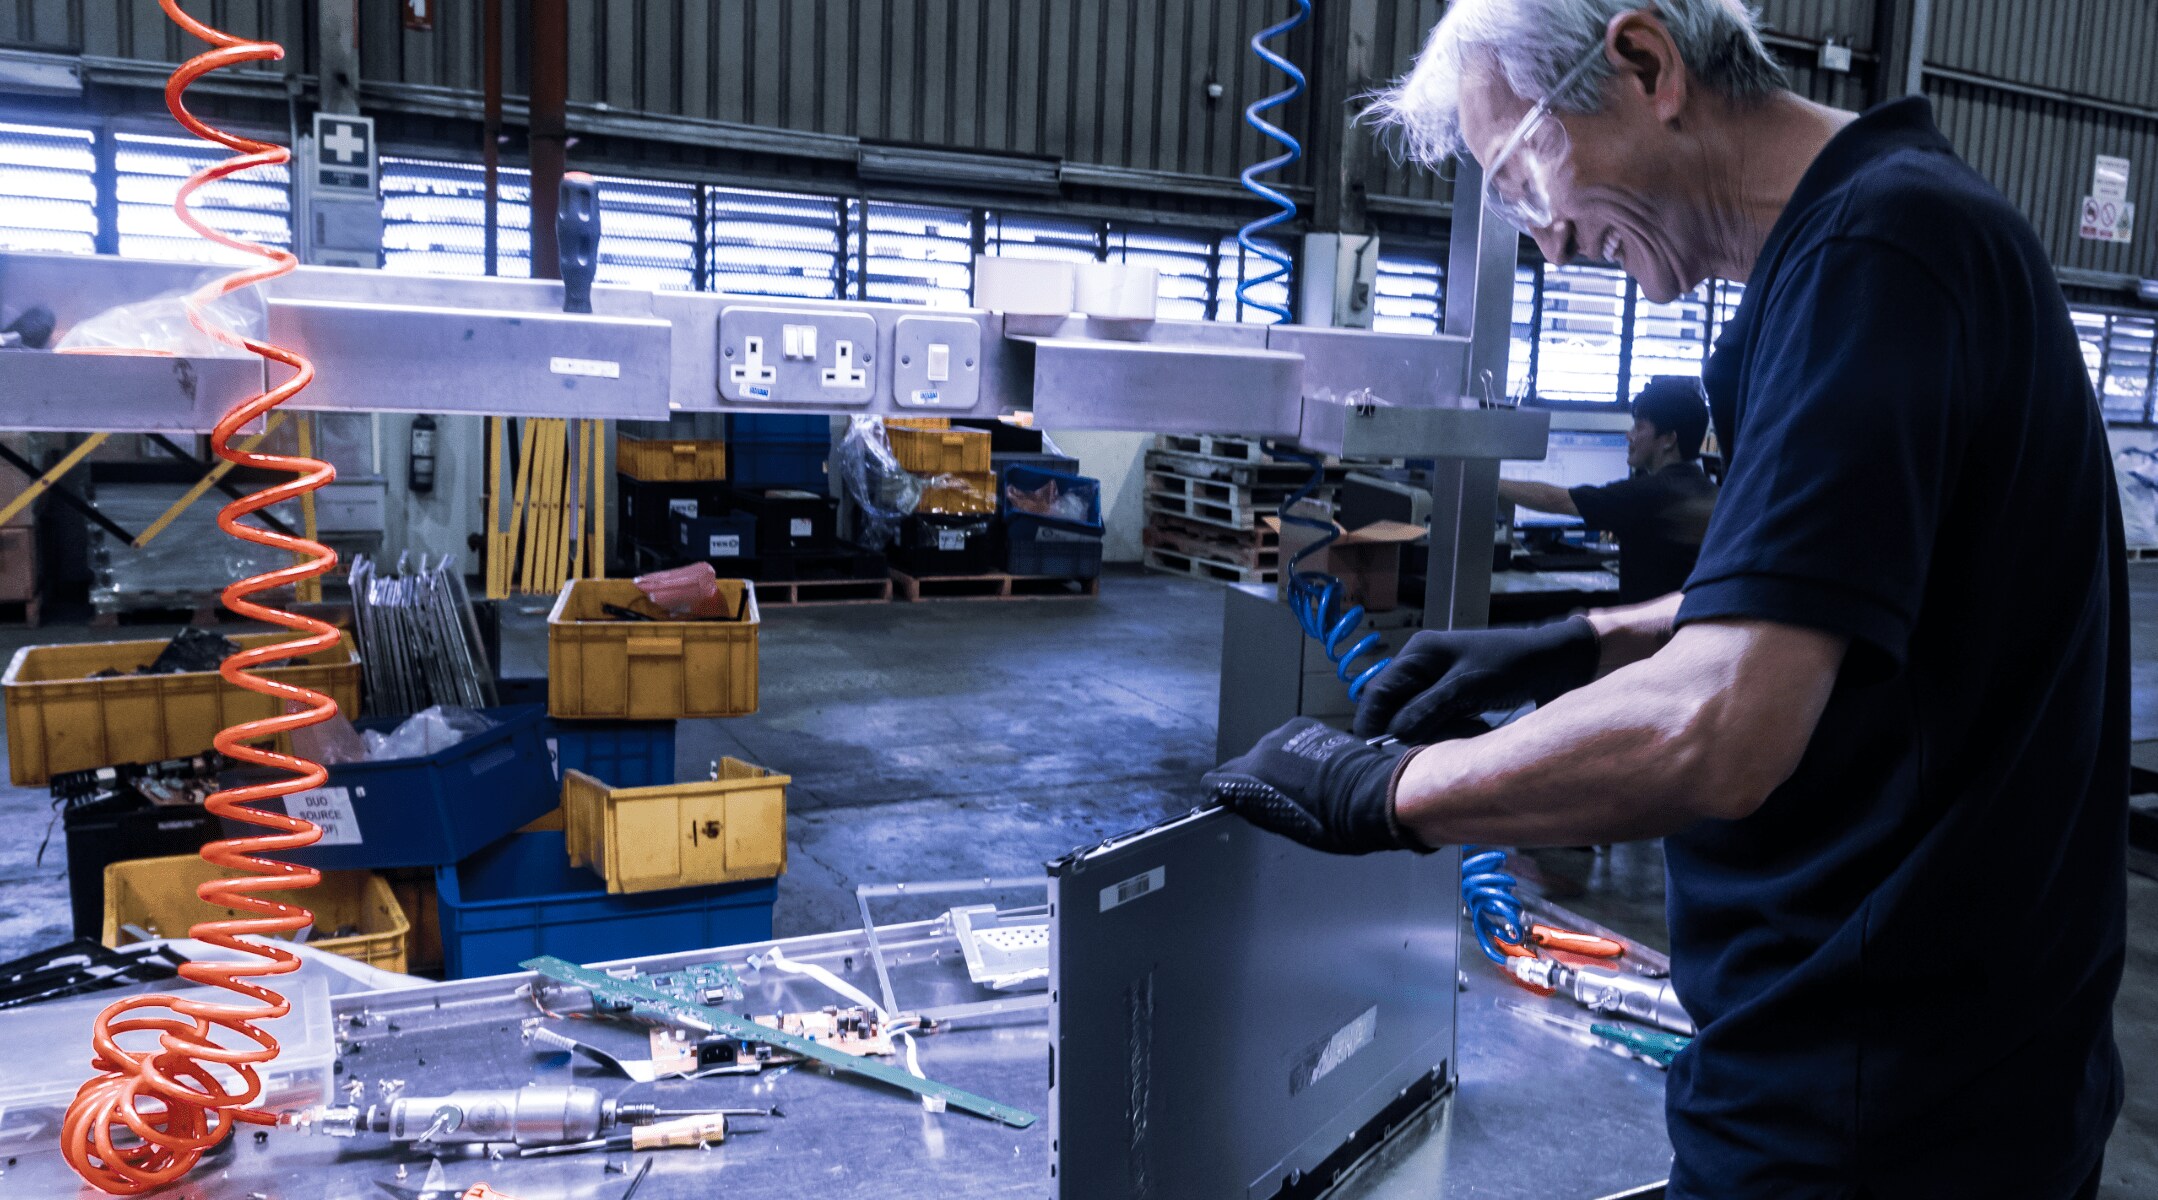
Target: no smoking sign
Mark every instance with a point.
(2108, 220)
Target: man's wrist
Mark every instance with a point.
(1402, 834)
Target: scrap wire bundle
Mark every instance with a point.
(419, 642)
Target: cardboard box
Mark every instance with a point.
(12, 482)
(18, 565)
(1367, 560)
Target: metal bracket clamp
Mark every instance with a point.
(658, 1004)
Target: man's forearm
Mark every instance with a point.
(1630, 634)
(1542, 497)
(1705, 729)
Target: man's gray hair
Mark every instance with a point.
(1535, 42)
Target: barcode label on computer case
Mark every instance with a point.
(1133, 888)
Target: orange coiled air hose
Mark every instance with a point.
(163, 1098)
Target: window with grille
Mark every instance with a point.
(1054, 238)
(1183, 267)
(147, 173)
(774, 244)
(1408, 292)
(648, 234)
(910, 253)
(1579, 344)
(1669, 339)
(1236, 265)
(2125, 384)
(434, 219)
(1521, 349)
(48, 189)
(2091, 335)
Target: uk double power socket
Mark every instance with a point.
(786, 356)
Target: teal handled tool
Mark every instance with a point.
(1651, 1046)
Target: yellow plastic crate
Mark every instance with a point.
(679, 834)
(658, 460)
(600, 666)
(158, 895)
(891, 423)
(59, 719)
(975, 494)
(941, 452)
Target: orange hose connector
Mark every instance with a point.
(174, 1099)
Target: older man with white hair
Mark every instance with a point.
(1883, 728)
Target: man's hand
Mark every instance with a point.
(1441, 677)
(1319, 786)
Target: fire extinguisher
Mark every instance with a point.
(420, 472)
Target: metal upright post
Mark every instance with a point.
(1480, 263)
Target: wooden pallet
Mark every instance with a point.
(2142, 553)
(992, 587)
(1260, 549)
(1237, 495)
(1205, 512)
(1238, 471)
(809, 593)
(1238, 449)
(1160, 559)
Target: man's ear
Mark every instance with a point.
(1639, 47)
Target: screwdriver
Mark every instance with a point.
(1650, 1046)
(577, 239)
(680, 1133)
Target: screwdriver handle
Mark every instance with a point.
(577, 239)
(687, 1132)
(1588, 945)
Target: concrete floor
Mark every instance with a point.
(960, 740)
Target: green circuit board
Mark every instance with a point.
(646, 1000)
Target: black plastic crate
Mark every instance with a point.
(122, 830)
(789, 520)
(1035, 546)
(946, 544)
(646, 511)
(844, 561)
(722, 541)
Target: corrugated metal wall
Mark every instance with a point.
(1112, 82)
(2102, 48)
(1121, 83)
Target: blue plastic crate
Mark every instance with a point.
(1023, 478)
(522, 898)
(426, 811)
(778, 429)
(621, 753)
(778, 465)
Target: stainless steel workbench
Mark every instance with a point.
(1533, 1114)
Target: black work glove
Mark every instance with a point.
(1319, 786)
(1440, 677)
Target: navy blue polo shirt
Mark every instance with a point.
(1904, 962)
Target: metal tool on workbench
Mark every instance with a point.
(681, 1133)
(1650, 1046)
(1650, 1001)
(526, 1116)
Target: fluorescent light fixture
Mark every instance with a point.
(910, 164)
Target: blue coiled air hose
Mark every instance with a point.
(1487, 891)
(1314, 596)
(1278, 261)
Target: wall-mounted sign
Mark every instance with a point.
(344, 153)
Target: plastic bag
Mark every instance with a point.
(1073, 499)
(425, 732)
(161, 326)
(691, 591)
(884, 491)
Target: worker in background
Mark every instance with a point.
(1884, 728)
(1660, 513)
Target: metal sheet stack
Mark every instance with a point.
(420, 643)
